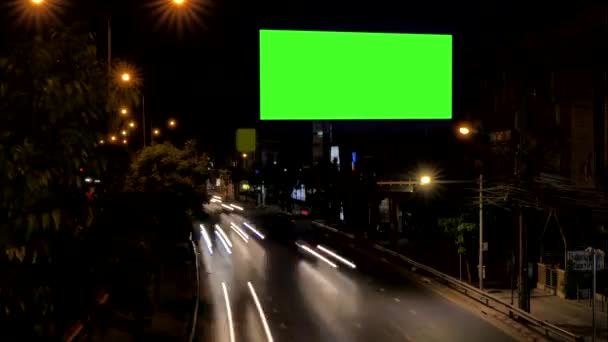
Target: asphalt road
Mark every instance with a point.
(303, 298)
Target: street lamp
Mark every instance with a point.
(113, 138)
(156, 132)
(124, 111)
(179, 2)
(101, 142)
(126, 77)
(124, 132)
(132, 124)
(37, 2)
(124, 141)
(464, 130)
(245, 155)
(426, 180)
(172, 123)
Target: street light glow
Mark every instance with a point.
(425, 180)
(113, 138)
(179, 2)
(172, 123)
(124, 111)
(131, 124)
(156, 131)
(245, 155)
(464, 130)
(37, 2)
(123, 132)
(124, 141)
(126, 77)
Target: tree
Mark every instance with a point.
(462, 231)
(166, 168)
(52, 111)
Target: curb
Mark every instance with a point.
(324, 226)
(78, 327)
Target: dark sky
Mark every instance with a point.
(206, 75)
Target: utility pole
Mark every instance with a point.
(522, 285)
(481, 270)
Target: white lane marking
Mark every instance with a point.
(229, 312)
(261, 312)
(217, 226)
(306, 248)
(207, 239)
(336, 256)
(412, 311)
(260, 235)
(227, 207)
(223, 242)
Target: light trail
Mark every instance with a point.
(261, 312)
(260, 235)
(217, 226)
(236, 207)
(207, 239)
(336, 256)
(306, 248)
(223, 242)
(229, 312)
(239, 232)
(227, 207)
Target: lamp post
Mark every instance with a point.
(426, 180)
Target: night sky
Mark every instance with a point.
(206, 75)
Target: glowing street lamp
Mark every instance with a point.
(179, 2)
(124, 111)
(132, 124)
(172, 123)
(245, 155)
(113, 138)
(124, 132)
(124, 141)
(125, 77)
(37, 2)
(424, 180)
(156, 131)
(464, 131)
(101, 142)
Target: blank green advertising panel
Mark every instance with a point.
(322, 75)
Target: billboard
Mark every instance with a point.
(323, 75)
(246, 140)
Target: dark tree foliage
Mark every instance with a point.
(53, 101)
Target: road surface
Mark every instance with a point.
(304, 298)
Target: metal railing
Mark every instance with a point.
(198, 294)
(475, 293)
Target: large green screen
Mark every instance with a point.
(321, 75)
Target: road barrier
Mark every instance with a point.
(473, 292)
(198, 294)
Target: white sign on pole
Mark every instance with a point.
(583, 261)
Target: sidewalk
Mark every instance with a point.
(572, 315)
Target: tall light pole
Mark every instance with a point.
(465, 131)
(481, 269)
(427, 181)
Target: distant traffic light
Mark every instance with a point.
(81, 170)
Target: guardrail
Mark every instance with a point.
(473, 292)
(198, 294)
